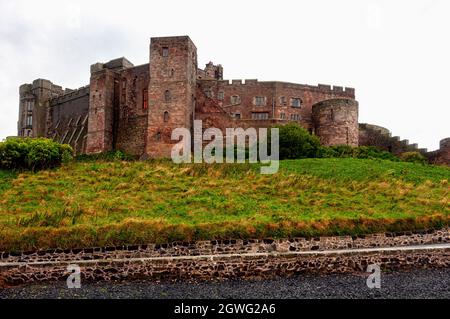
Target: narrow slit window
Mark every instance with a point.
(145, 99)
(167, 96)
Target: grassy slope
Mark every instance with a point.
(113, 203)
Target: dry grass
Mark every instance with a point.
(113, 203)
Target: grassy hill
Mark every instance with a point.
(100, 203)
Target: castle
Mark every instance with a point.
(135, 108)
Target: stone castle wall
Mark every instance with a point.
(131, 118)
(373, 135)
(135, 109)
(336, 121)
(238, 99)
(67, 118)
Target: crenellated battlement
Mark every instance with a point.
(69, 95)
(320, 87)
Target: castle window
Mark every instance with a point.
(166, 116)
(260, 100)
(208, 93)
(158, 136)
(295, 117)
(237, 116)
(332, 114)
(124, 92)
(221, 96)
(282, 116)
(167, 96)
(260, 116)
(172, 73)
(29, 106)
(29, 120)
(165, 52)
(145, 99)
(235, 99)
(282, 100)
(296, 102)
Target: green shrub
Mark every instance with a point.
(413, 157)
(345, 151)
(34, 154)
(296, 142)
(372, 152)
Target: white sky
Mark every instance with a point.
(395, 53)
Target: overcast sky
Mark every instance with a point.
(395, 53)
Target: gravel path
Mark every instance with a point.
(412, 284)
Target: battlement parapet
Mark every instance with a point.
(25, 89)
(335, 88)
(115, 65)
(319, 87)
(70, 95)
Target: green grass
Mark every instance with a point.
(107, 202)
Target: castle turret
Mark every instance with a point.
(336, 121)
(34, 107)
(26, 106)
(444, 151)
(103, 101)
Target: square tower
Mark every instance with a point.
(173, 74)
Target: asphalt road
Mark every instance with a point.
(411, 284)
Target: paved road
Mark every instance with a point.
(412, 284)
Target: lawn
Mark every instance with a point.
(102, 203)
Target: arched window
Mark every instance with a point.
(167, 96)
(158, 136)
(166, 116)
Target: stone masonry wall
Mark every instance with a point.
(230, 258)
(130, 126)
(336, 122)
(68, 119)
(173, 71)
(442, 155)
(238, 99)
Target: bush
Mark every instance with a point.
(34, 154)
(296, 142)
(342, 151)
(413, 157)
(373, 152)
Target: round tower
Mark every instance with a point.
(336, 121)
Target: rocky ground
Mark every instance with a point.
(412, 284)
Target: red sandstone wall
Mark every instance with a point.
(273, 92)
(336, 122)
(101, 111)
(175, 73)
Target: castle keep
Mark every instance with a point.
(135, 108)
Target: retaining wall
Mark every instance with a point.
(217, 260)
